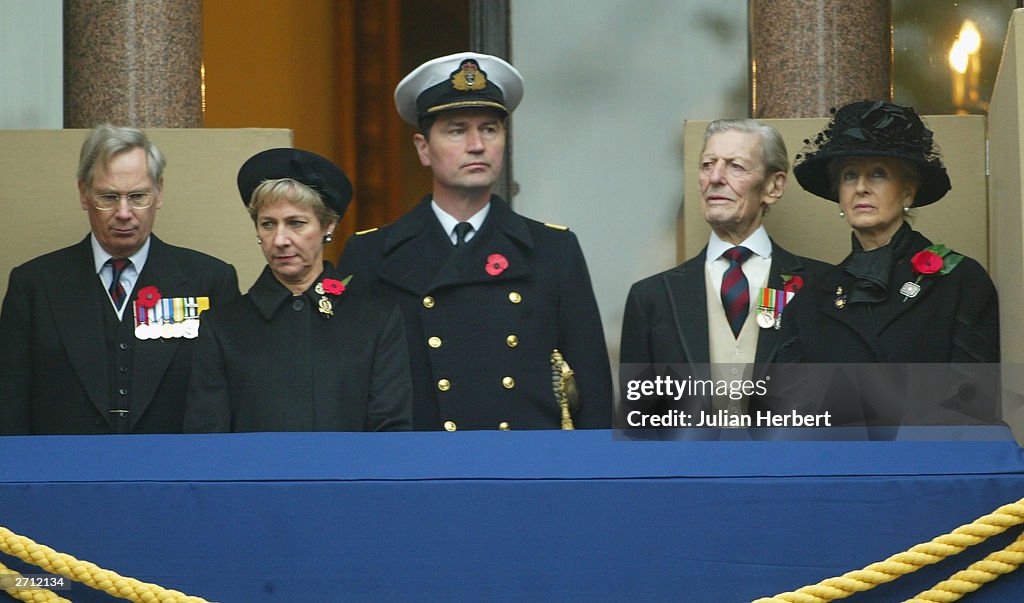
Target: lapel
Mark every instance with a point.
(903, 272)
(415, 249)
(419, 257)
(504, 233)
(783, 262)
(153, 356)
(687, 294)
(856, 320)
(78, 318)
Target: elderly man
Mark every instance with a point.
(97, 338)
(722, 307)
(488, 296)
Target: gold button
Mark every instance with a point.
(503, 426)
(444, 385)
(514, 297)
(512, 341)
(450, 426)
(428, 302)
(508, 382)
(434, 342)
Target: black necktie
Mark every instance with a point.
(116, 290)
(462, 230)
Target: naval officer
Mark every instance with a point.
(488, 295)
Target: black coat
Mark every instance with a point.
(480, 344)
(666, 315)
(954, 318)
(272, 361)
(666, 322)
(54, 356)
(899, 361)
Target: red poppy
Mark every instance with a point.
(496, 264)
(334, 287)
(793, 284)
(926, 262)
(148, 297)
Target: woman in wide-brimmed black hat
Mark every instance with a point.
(897, 298)
(306, 349)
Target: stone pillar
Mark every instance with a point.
(133, 63)
(808, 56)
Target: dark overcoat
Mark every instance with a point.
(272, 361)
(480, 341)
(56, 345)
(953, 319)
(666, 322)
(666, 315)
(904, 360)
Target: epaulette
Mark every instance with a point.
(556, 226)
(367, 231)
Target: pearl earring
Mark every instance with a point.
(906, 211)
(842, 214)
(259, 241)
(328, 238)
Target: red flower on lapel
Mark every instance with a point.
(792, 284)
(496, 264)
(333, 286)
(926, 262)
(148, 297)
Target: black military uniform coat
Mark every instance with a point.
(480, 343)
(666, 321)
(271, 361)
(56, 369)
(953, 319)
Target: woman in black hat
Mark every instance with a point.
(305, 349)
(898, 298)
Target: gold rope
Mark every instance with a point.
(977, 574)
(39, 595)
(87, 573)
(921, 555)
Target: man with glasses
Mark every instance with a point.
(97, 337)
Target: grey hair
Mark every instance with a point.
(106, 141)
(773, 149)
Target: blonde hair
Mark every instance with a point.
(271, 191)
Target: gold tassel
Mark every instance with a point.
(563, 382)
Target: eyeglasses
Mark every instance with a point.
(112, 201)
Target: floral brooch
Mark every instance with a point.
(333, 287)
(937, 259)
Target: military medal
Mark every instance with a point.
(167, 317)
(766, 309)
(190, 328)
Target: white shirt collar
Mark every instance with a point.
(758, 242)
(100, 255)
(449, 221)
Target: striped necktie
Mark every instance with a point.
(117, 293)
(735, 290)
